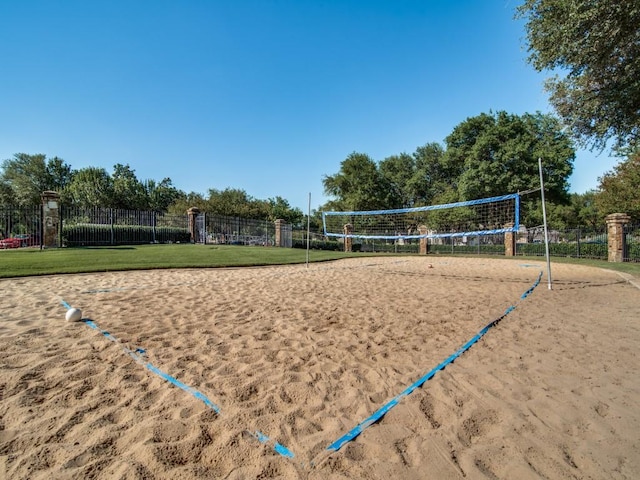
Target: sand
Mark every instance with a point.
(254, 372)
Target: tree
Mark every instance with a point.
(359, 184)
(128, 192)
(234, 202)
(397, 172)
(491, 155)
(415, 180)
(160, 195)
(619, 190)
(90, 187)
(279, 208)
(6, 193)
(184, 202)
(24, 177)
(597, 42)
(585, 211)
(432, 176)
(59, 174)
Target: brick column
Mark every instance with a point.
(50, 218)
(615, 231)
(348, 241)
(509, 242)
(193, 227)
(279, 237)
(424, 246)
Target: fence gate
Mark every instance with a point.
(201, 229)
(286, 236)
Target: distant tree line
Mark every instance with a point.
(24, 177)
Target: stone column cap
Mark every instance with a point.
(617, 218)
(50, 193)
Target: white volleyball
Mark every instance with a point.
(73, 315)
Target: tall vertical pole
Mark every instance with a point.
(308, 227)
(544, 217)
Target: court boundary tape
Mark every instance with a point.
(382, 411)
(138, 355)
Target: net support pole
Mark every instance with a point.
(308, 227)
(544, 218)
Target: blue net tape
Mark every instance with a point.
(382, 411)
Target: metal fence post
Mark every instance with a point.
(111, 224)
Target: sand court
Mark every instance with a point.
(294, 357)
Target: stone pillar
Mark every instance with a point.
(348, 241)
(509, 242)
(193, 226)
(50, 219)
(279, 237)
(424, 246)
(615, 232)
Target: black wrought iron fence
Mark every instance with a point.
(20, 226)
(492, 244)
(632, 243)
(109, 226)
(220, 229)
(576, 242)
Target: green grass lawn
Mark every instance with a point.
(27, 261)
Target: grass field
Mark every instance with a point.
(27, 261)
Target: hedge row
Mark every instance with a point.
(634, 252)
(330, 245)
(91, 234)
(582, 250)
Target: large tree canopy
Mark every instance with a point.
(414, 180)
(487, 155)
(619, 190)
(596, 44)
(90, 187)
(129, 192)
(398, 181)
(24, 177)
(359, 184)
(492, 155)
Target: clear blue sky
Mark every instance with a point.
(267, 96)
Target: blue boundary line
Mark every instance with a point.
(382, 411)
(138, 357)
(279, 448)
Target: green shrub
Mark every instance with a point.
(633, 252)
(328, 245)
(92, 234)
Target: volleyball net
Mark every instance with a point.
(485, 216)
